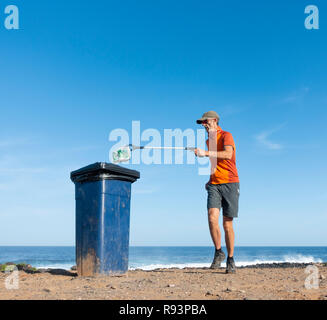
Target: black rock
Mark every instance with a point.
(33, 270)
(43, 270)
(24, 267)
(61, 272)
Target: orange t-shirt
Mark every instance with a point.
(222, 171)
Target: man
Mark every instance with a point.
(223, 187)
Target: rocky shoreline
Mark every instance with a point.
(10, 266)
(285, 265)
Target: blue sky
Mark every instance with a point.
(76, 70)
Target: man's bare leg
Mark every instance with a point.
(229, 235)
(213, 216)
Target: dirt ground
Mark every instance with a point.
(190, 283)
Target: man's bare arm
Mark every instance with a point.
(226, 154)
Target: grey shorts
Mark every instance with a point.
(224, 195)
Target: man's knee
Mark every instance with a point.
(228, 224)
(213, 214)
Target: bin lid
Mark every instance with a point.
(104, 171)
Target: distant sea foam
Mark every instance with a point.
(291, 259)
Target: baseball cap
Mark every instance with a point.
(208, 115)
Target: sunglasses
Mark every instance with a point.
(207, 121)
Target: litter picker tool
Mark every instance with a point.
(124, 153)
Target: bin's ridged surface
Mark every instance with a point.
(102, 227)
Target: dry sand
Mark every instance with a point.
(252, 283)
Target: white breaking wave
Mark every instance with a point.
(290, 259)
(287, 258)
(174, 265)
(54, 266)
(302, 259)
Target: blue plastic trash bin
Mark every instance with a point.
(102, 194)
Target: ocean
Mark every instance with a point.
(149, 258)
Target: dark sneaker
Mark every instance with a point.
(218, 258)
(230, 265)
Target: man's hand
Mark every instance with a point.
(200, 152)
